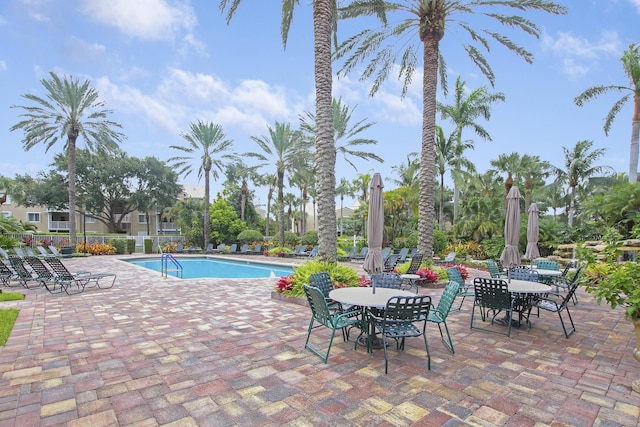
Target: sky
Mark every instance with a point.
(160, 65)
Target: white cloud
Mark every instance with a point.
(82, 51)
(183, 97)
(636, 3)
(3, 65)
(567, 44)
(579, 54)
(145, 19)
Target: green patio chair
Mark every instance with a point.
(321, 314)
(438, 314)
(453, 273)
(401, 319)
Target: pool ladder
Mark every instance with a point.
(176, 267)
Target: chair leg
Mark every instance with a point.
(324, 357)
(573, 326)
(426, 346)
(447, 342)
(461, 302)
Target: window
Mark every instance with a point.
(90, 219)
(33, 216)
(142, 218)
(6, 214)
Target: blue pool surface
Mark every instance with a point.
(195, 268)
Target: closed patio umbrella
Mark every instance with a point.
(532, 251)
(510, 255)
(373, 262)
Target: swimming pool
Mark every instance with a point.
(195, 268)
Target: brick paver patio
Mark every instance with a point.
(218, 352)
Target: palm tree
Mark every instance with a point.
(281, 147)
(324, 24)
(449, 153)
(509, 164)
(631, 65)
(534, 173)
(344, 189)
(430, 18)
(239, 171)
(466, 108)
(206, 140)
(579, 166)
(69, 110)
(344, 131)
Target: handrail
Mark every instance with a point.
(164, 262)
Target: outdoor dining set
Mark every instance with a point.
(392, 308)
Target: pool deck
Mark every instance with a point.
(221, 352)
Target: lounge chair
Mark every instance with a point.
(244, 249)
(402, 255)
(180, 248)
(449, 258)
(300, 250)
(43, 251)
(209, 248)
(29, 251)
(313, 253)
(232, 249)
(6, 274)
(19, 252)
(257, 250)
(220, 249)
(64, 279)
(22, 275)
(362, 255)
(55, 252)
(385, 253)
(4, 254)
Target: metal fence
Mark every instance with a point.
(59, 240)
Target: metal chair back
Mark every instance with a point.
(387, 280)
(416, 261)
(492, 296)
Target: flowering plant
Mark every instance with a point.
(285, 283)
(364, 281)
(427, 274)
(463, 271)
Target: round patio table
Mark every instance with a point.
(364, 296)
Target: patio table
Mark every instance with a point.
(364, 296)
(525, 292)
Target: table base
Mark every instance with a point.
(376, 343)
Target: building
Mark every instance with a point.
(135, 223)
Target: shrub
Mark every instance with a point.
(96, 248)
(310, 238)
(291, 238)
(412, 240)
(131, 246)
(278, 251)
(439, 241)
(7, 242)
(120, 245)
(250, 236)
(148, 246)
(169, 248)
(341, 275)
(428, 275)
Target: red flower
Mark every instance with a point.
(429, 275)
(463, 271)
(364, 280)
(285, 283)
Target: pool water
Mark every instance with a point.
(195, 268)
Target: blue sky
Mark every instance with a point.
(162, 64)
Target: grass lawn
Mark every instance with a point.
(8, 316)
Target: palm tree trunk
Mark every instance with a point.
(206, 219)
(71, 159)
(635, 135)
(441, 211)
(572, 207)
(267, 229)
(281, 208)
(243, 199)
(427, 155)
(325, 145)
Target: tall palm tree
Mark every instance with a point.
(69, 110)
(346, 134)
(344, 189)
(239, 171)
(430, 18)
(449, 153)
(324, 25)
(534, 173)
(206, 140)
(467, 107)
(509, 164)
(579, 166)
(631, 65)
(280, 148)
